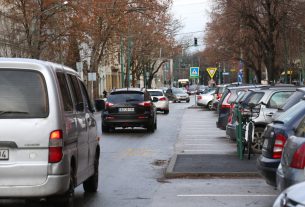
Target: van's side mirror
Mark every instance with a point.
(100, 105)
(80, 106)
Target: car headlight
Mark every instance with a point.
(281, 200)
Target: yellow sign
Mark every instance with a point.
(211, 71)
(233, 70)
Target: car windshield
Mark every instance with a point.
(255, 98)
(178, 90)
(292, 100)
(125, 96)
(23, 94)
(291, 112)
(155, 93)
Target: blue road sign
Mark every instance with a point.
(194, 72)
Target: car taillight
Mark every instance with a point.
(162, 99)
(298, 160)
(55, 146)
(108, 104)
(145, 104)
(279, 143)
(199, 97)
(225, 103)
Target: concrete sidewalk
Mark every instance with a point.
(203, 150)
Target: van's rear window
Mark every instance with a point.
(23, 94)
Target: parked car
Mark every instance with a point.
(202, 89)
(129, 107)
(192, 89)
(298, 95)
(224, 105)
(272, 99)
(48, 143)
(206, 99)
(275, 136)
(163, 103)
(293, 196)
(237, 104)
(177, 95)
(291, 168)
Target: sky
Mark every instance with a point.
(193, 14)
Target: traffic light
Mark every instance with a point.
(195, 41)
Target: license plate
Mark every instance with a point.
(3, 154)
(126, 109)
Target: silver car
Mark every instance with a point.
(48, 135)
(293, 196)
(206, 99)
(162, 104)
(291, 168)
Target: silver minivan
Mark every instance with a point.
(48, 133)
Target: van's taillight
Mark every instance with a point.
(199, 97)
(108, 104)
(279, 143)
(298, 160)
(55, 146)
(145, 104)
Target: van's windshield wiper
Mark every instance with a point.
(13, 112)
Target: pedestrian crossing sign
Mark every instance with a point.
(211, 71)
(194, 72)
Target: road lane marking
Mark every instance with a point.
(228, 195)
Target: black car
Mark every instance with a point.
(275, 136)
(129, 107)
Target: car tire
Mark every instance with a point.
(257, 140)
(210, 105)
(166, 111)
(151, 127)
(91, 184)
(187, 101)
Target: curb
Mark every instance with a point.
(170, 174)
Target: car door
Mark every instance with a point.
(91, 126)
(82, 138)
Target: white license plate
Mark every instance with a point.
(126, 109)
(3, 154)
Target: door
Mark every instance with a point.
(82, 125)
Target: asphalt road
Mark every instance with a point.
(132, 166)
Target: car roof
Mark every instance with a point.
(155, 90)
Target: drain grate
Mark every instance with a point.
(211, 165)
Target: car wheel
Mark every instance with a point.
(187, 101)
(210, 105)
(151, 127)
(257, 140)
(166, 111)
(91, 184)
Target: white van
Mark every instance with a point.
(48, 134)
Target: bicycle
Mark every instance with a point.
(250, 128)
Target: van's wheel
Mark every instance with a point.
(166, 111)
(91, 184)
(187, 101)
(67, 199)
(105, 129)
